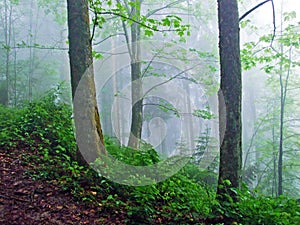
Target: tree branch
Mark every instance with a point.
(110, 36)
(163, 106)
(94, 27)
(254, 8)
(39, 47)
(170, 79)
(149, 64)
(164, 7)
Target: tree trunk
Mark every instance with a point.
(274, 187)
(81, 63)
(31, 52)
(229, 98)
(136, 82)
(7, 37)
(283, 91)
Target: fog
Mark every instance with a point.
(34, 59)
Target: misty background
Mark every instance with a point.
(34, 59)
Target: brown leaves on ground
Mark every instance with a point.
(27, 201)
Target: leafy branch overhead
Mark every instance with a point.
(260, 52)
(102, 11)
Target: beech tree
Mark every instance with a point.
(82, 74)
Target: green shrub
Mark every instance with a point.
(200, 176)
(176, 199)
(10, 133)
(260, 210)
(145, 156)
(267, 210)
(48, 122)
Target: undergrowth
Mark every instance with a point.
(45, 128)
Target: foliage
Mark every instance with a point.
(45, 128)
(278, 58)
(202, 177)
(56, 7)
(145, 156)
(175, 199)
(48, 120)
(9, 131)
(150, 25)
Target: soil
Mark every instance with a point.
(35, 202)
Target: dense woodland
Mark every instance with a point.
(149, 112)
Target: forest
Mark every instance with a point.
(149, 112)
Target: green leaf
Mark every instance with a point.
(149, 33)
(205, 114)
(166, 22)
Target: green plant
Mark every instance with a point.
(145, 156)
(259, 210)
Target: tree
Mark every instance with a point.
(7, 40)
(82, 74)
(277, 132)
(136, 71)
(27, 66)
(229, 97)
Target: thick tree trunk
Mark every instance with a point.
(81, 62)
(136, 87)
(229, 97)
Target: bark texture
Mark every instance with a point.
(229, 97)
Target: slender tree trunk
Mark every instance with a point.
(15, 69)
(274, 188)
(31, 54)
(7, 30)
(283, 92)
(115, 90)
(229, 97)
(136, 87)
(81, 62)
(282, 104)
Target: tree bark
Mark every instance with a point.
(136, 82)
(82, 72)
(229, 98)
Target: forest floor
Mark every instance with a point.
(27, 201)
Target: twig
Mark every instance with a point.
(163, 106)
(37, 47)
(15, 198)
(149, 64)
(164, 7)
(94, 28)
(170, 79)
(110, 36)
